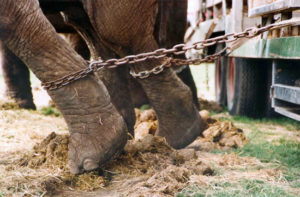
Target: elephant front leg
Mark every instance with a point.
(96, 128)
(186, 76)
(16, 78)
(116, 80)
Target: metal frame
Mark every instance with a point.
(276, 6)
(285, 95)
(277, 48)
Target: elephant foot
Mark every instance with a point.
(97, 129)
(23, 101)
(180, 132)
(88, 151)
(178, 118)
(26, 104)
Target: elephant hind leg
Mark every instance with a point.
(172, 100)
(17, 79)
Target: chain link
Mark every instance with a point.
(178, 49)
(156, 70)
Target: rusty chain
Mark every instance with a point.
(178, 49)
(155, 70)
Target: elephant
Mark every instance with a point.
(98, 109)
(170, 23)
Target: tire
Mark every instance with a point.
(220, 77)
(247, 87)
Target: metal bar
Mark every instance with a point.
(288, 112)
(287, 93)
(277, 48)
(276, 6)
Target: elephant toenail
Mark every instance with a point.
(90, 164)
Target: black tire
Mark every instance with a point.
(247, 87)
(220, 77)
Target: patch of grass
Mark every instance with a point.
(290, 124)
(286, 153)
(243, 188)
(145, 107)
(50, 111)
(296, 183)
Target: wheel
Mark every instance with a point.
(247, 88)
(220, 77)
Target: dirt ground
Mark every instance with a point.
(33, 156)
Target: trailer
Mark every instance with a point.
(261, 76)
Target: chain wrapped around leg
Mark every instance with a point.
(156, 70)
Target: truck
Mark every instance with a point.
(261, 76)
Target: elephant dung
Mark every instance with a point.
(146, 123)
(220, 135)
(148, 115)
(145, 128)
(52, 151)
(209, 105)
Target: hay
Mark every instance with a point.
(146, 166)
(52, 151)
(8, 105)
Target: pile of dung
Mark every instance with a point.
(220, 135)
(225, 135)
(8, 105)
(146, 123)
(217, 135)
(52, 154)
(209, 105)
(149, 166)
(52, 151)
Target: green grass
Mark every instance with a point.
(145, 107)
(245, 187)
(290, 124)
(285, 153)
(50, 111)
(282, 153)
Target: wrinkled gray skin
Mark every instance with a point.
(97, 127)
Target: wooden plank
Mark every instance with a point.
(211, 3)
(237, 15)
(258, 3)
(276, 6)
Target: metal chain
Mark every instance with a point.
(162, 52)
(155, 70)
